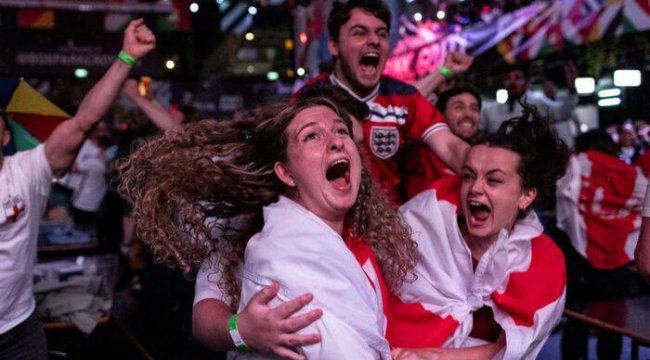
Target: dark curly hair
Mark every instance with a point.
(543, 156)
(201, 192)
(341, 13)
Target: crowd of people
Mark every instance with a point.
(364, 218)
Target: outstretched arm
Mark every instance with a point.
(455, 62)
(156, 113)
(449, 148)
(62, 146)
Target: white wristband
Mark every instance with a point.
(234, 333)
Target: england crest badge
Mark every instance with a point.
(384, 141)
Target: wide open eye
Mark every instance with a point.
(310, 136)
(342, 132)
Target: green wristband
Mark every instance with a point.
(234, 334)
(128, 59)
(446, 73)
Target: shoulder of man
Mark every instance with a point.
(392, 86)
(319, 81)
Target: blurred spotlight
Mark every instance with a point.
(170, 64)
(288, 44)
(609, 93)
(302, 37)
(585, 85)
(252, 10)
(502, 96)
(627, 78)
(194, 7)
(417, 16)
(250, 69)
(609, 102)
(300, 71)
(290, 73)
(81, 73)
(272, 75)
(249, 36)
(440, 14)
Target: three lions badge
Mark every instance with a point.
(384, 141)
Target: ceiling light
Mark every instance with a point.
(627, 78)
(585, 85)
(502, 96)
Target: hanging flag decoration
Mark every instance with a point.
(178, 19)
(31, 18)
(636, 15)
(532, 31)
(577, 22)
(423, 47)
(541, 35)
(32, 116)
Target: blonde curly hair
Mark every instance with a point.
(201, 191)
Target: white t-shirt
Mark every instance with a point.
(560, 112)
(89, 177)
(309, 257)
(207, 282)
(25, 183)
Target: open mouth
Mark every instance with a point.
(370, 59)
(467, 123)
(338, 173)
(478, 211)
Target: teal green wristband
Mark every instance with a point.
(446, 73)
(234, 334)
(128, 59)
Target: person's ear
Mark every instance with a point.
(283, 173)
(6, 137)
(526, 199)
(333, 47)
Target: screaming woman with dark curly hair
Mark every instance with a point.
(486, 273)
(295, 206)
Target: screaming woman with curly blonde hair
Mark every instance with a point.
(279, 197)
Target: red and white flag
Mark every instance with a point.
(521, 278)
(598, 205)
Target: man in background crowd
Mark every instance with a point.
(399, 114)
(26, 179)
(517, 83)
